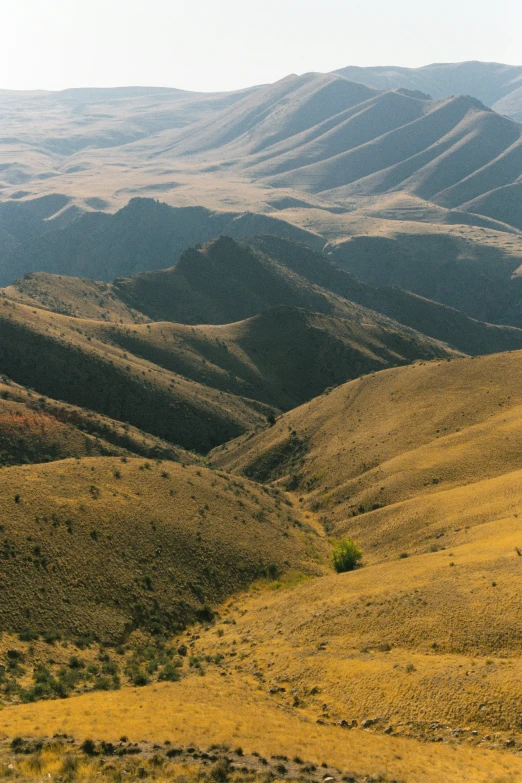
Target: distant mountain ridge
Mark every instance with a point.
(319, 134)
(497, 85)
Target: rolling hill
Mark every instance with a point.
(328, 306)
(398, 457)
(86, 372)
(262, 301)
(35, 428)
(196, 386)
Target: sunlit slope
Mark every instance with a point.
(430, 639)
(399, 457)
(101, 546)
(202, 711)
(73, 296)
(497, 85)
(34, 428)
(75, 367)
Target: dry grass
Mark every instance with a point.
(171, 539)
(73, 296)
(34, 428)
(210, 710)
(399, 457)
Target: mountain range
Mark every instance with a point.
(260, 405)
(319, 139)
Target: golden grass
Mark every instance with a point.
(397, 457)
(73, 296)
(171, 539)
(430, 638)
(206, 710)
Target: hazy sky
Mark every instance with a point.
(225, 44)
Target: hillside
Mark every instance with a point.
(398, 457)
(318, 139)
(78, 297)
(281, 357)
(474, 273)
(378, 259)
(221, 370)
(173, 541)
(34, 428)
(497, 85)
(77, 368)
(421, 465)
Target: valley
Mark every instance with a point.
(237, 329)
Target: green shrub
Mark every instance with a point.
(346, 555)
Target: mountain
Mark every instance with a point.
(422, 314)
(205, 381)
(319, 139)
(291, 271)
(480, 278)
(450, 151)
(498, 86)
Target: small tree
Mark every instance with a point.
(346, 555)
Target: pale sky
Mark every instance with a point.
(226, 44)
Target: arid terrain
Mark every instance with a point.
(239, 331)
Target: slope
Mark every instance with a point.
(428, 317)
(75, 367)
(474, 272)
(34, 428)
(281, 357)
(399, 457)
(312, 134)
(143, 236)
(174, 542)
(78, 297)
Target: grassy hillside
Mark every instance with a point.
(231, 721)
(427, 644)
(75, 367)
(34, 428)
(172, 540)
(280, 260)
(226, 280)
(282, 357)
(78, 297)
(400, 459)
